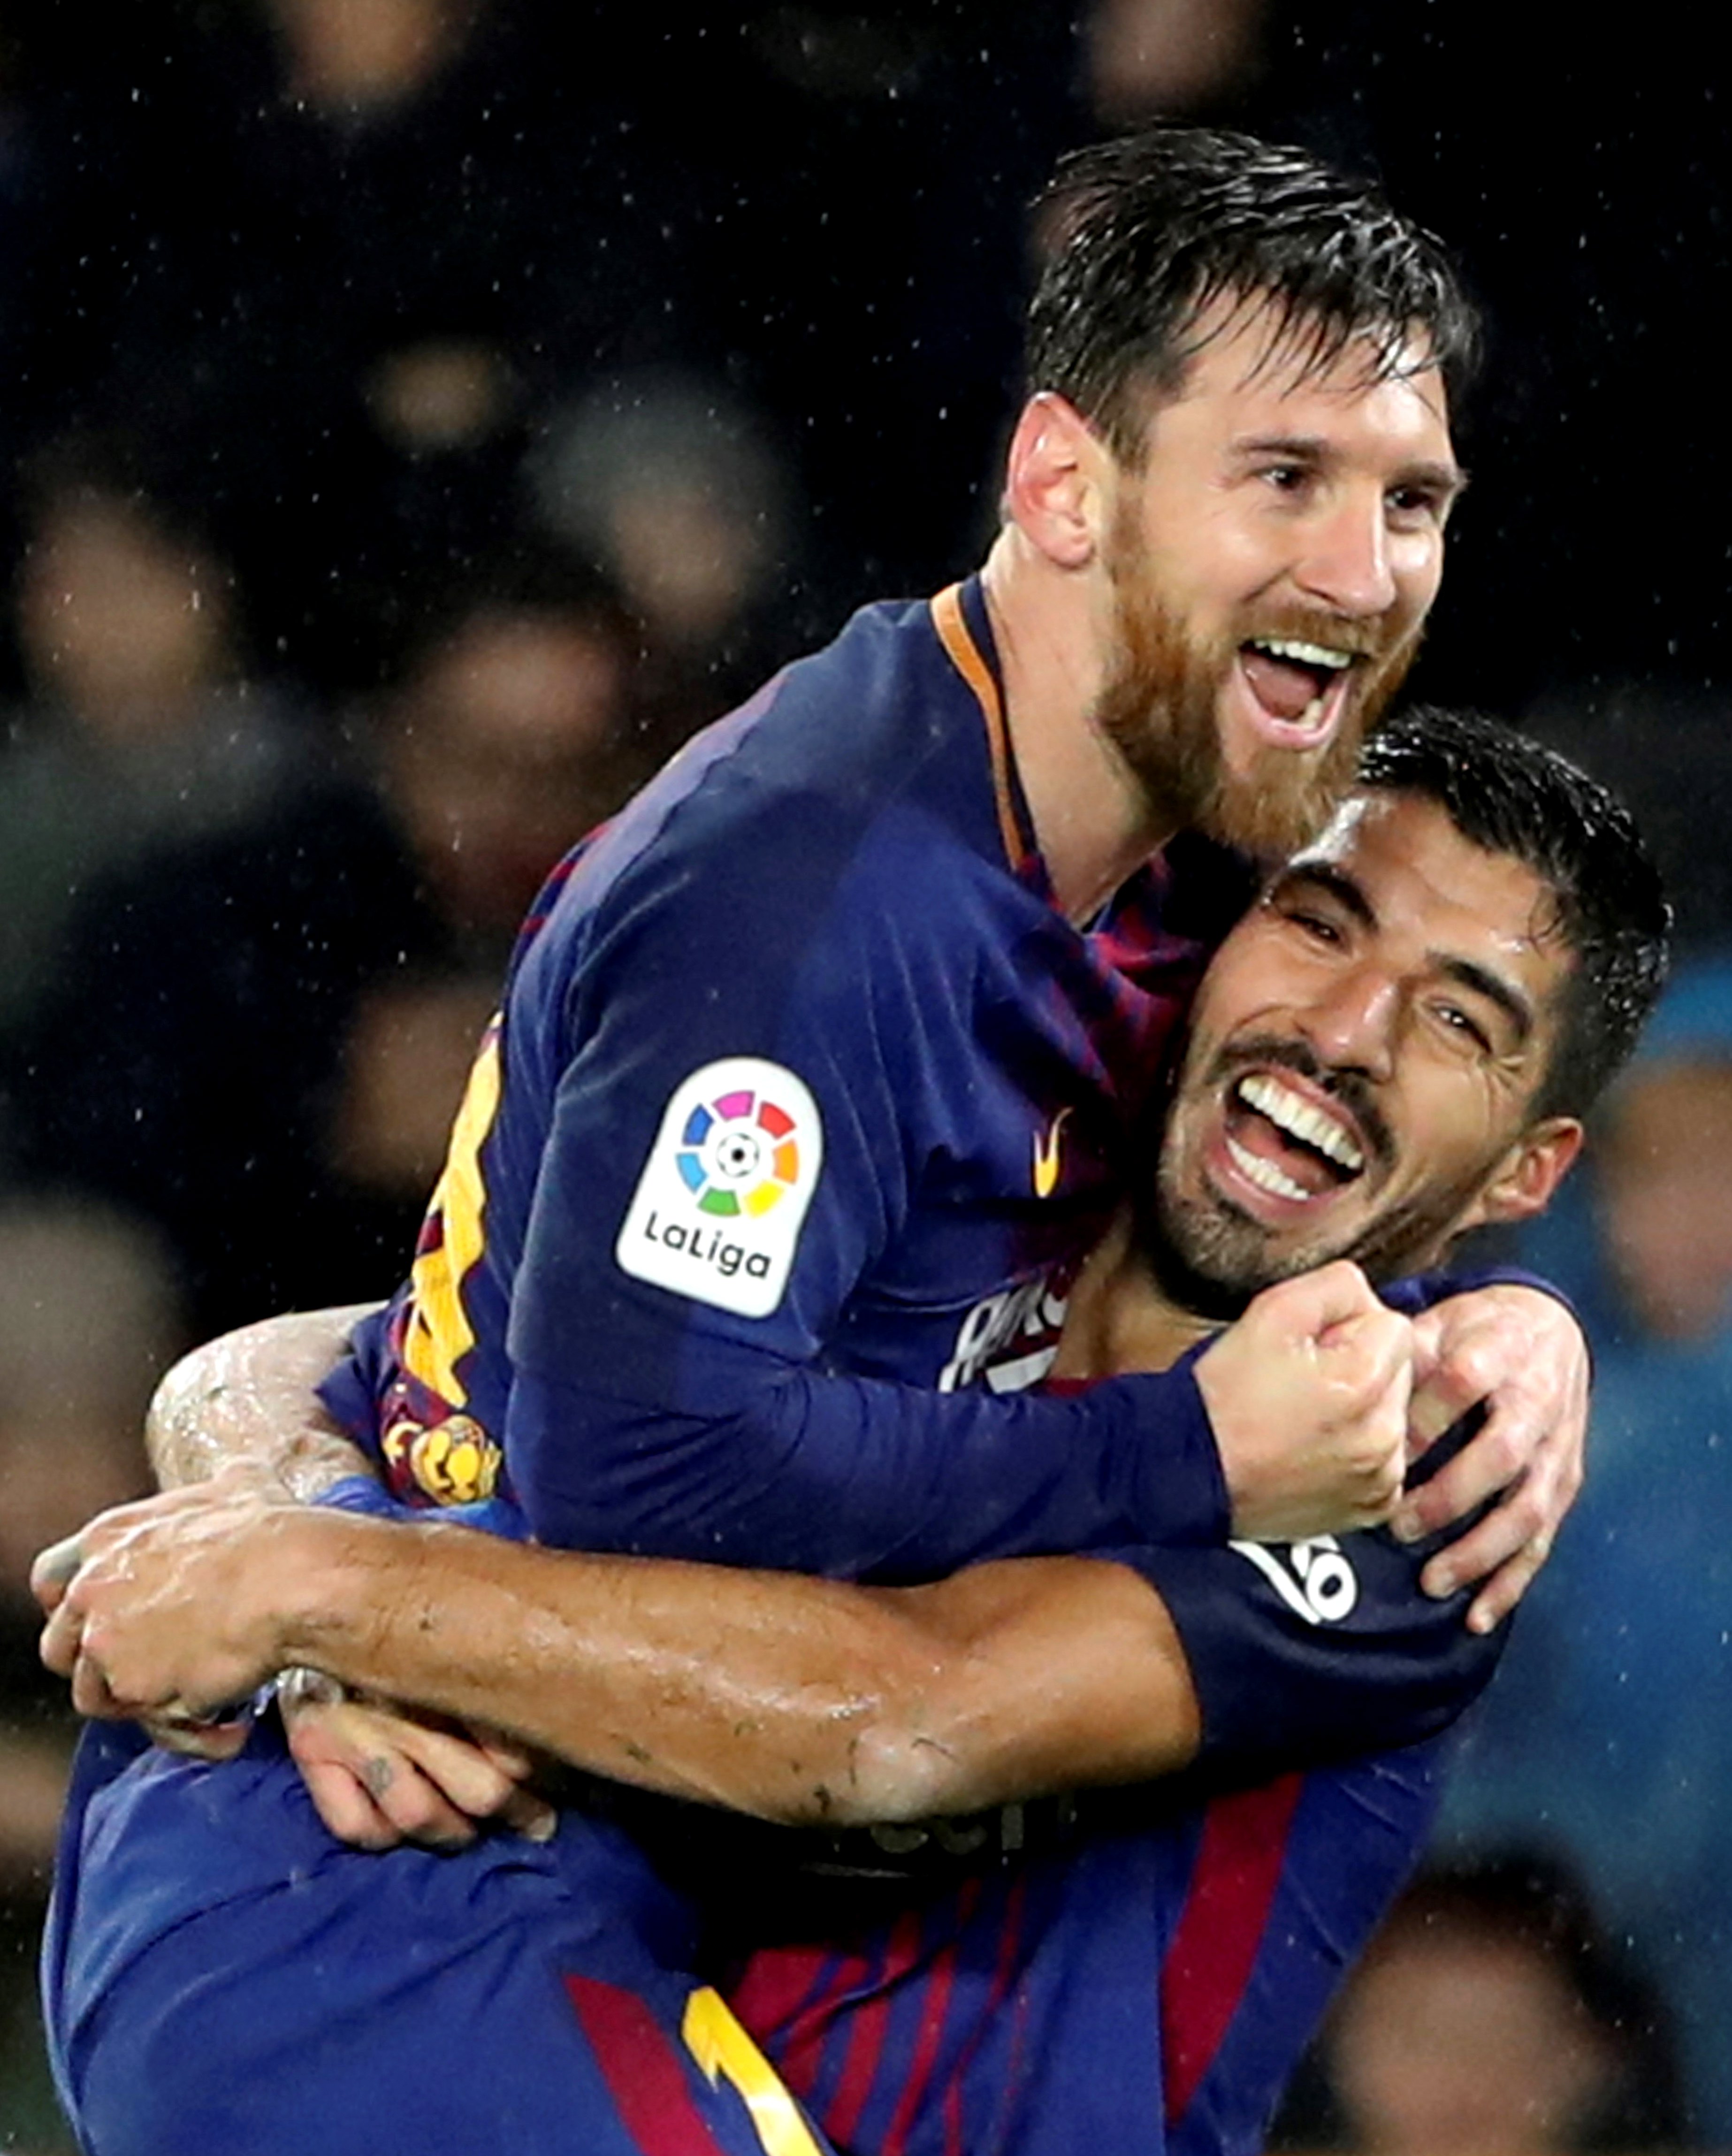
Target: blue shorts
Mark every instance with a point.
(222, 1974)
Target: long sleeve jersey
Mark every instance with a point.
(804, 1104)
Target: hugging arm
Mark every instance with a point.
(797, 1699)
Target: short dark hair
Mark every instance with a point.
(1143, 233)
(1509, 793)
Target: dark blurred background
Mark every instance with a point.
(420, 415)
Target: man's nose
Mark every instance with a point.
(1346, 563)
(1352, 1023)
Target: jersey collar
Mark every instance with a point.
(958, 614)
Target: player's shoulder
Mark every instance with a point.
(871, 750)
(880, 715)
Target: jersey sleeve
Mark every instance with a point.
(350, 1391)
(1306, 1653)
(753, 1076)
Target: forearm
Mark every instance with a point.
(247, 1400)
(797, 1700)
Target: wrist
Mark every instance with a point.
(302, 1571)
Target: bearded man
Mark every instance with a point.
(817, 1067)
(1396, 1044)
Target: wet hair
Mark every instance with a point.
(1144, 233)
(1509, 794)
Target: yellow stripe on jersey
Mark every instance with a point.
(439, 1334)
(724, 2052)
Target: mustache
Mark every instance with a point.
(1350, 1087)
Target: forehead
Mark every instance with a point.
(1251, 370)
(1433, 894)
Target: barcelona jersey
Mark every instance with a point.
(1132, 1969)
(804, 1103)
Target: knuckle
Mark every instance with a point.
(411, 1806)
(1455, 1392)
(309, 1746)
(89, 1689)
(1475, 1366)
(1527, 1520)
(493, 1791)
(1504, 1451)
(352, 1821)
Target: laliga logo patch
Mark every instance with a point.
(718, 1209)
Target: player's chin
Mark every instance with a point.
(1282, 803)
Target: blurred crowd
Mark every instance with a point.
(422, 414)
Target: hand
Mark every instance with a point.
(381, 1774)
(1307, 1395)
(1521, 1351)
(160, 1611)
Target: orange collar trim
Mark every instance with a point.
(969, 661)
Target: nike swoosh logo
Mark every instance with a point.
(1046, 1156)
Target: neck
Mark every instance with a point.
(1118, 1320)
(1092, 825)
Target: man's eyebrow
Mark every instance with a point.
(1303, 449)
(1333, 882)
(1447, 478)
(1508, 999)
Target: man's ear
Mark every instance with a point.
(1056, 476)
(1523, 1181)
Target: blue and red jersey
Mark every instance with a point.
(804, 1099)
(1150, 1987)
(1132, 1969)
(804, 1104)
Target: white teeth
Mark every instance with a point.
(1305, 655)
(1263, 1173)
(1300, 1119)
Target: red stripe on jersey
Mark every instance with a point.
(645, 2076)
(1010, 1940)
(787, 2007)
(870, 2022)
(1214, 1946)
(940, 1981)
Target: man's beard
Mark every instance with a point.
(1159, 707)
(1208, 1256)
(1211, 1258)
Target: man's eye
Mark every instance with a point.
(1317, 926)
(1412, 506)
(1286, 478)
(1463, 1022)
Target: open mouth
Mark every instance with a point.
(1297, 686)
(1289, 1144)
